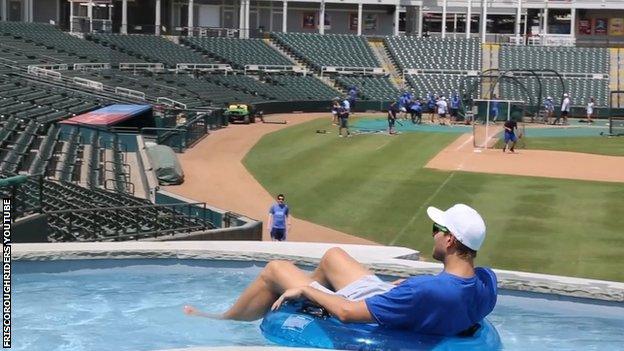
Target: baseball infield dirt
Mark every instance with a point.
(214, 173)
(461, 156)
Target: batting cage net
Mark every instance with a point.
(616, 113)
(489, 117)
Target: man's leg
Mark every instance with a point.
(337, 269)
(256, 300)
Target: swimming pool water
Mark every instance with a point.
(137, 305)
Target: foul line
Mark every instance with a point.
(384, 144)
(464, 143)
(425, 203)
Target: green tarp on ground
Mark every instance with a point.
(166, 165)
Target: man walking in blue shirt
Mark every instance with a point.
(449, 303)
(455, 102)
(278, 219)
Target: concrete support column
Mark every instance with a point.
(444, 3)
(526, 20)
(396, 20)
(359, 28)
(124, 17)
(483, 21)
(71, 17)
(420, 21)
(322, 18)
(247, 14)
(191, 22)
(3, 10)
(157, 19)
(90, 15)
(29, 10)
(573, 23)
(468, 19)
(518, 20)
(284, 16)
(545, 21)
(241, 19)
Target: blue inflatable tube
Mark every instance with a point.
(298, 325)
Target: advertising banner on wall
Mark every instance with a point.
(601, 26)
(584, 27)
(616, 26)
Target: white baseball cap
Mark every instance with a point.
(464, 222)
(565, 94)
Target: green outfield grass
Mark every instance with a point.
(613, 146)
(376, 187)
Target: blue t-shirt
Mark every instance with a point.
(352, 94)
(279, 212)
(455, 103)
(443, 304)
(416, 107)
(431, 103)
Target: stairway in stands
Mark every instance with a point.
(282, 50)
(380, 51)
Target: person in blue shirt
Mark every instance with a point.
(353, 92)
(448, 303)
(431, 105)
(455, 102)
(403, 104)
(494, 107)
(279, 218)
(416, 111)
(549, 109)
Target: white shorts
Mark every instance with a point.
(363, 288)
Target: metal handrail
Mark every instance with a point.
(96, 226)
(125, 183)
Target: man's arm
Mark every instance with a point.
(346, 311)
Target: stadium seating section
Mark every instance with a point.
(238, 52)
(435, 53)
(278, 87)
(41, 40)
(31, 142)
(580, 90)
(129, 218)
(328, 50)
(561, 59)
(439, 84)
(370, 88)
(149, 48)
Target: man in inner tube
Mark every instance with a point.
(448, 303)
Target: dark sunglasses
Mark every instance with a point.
(280, 199)
(439, 228)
